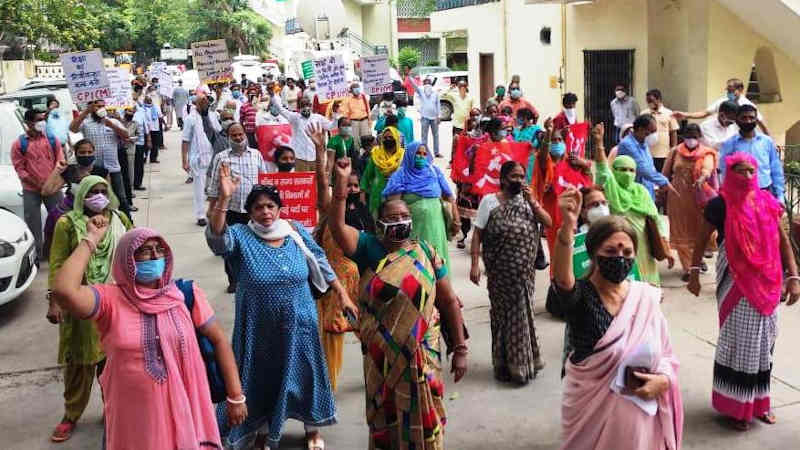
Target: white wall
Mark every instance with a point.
(352, 11)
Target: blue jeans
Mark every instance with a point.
(430, 123)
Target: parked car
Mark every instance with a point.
(397, 89)
(18, 259)
(37, 97)
(10, 187)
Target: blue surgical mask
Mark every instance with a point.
(274, 110)
(192, 98)
(516, 93)
(356, 91)
(236, 94)
(420, 162)
(558, 149)
(150, 270)
(732, 96)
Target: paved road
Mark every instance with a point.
(481, 412)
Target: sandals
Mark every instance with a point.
(741, 425)
(768, 418)
(63, 431)
(315, 442)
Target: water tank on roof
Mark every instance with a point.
(322, 19)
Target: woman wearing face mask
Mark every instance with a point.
(690, 167)
(755, 257)
(79, 343)
(384, 159)
(333, 323)
(276, 328)
(631, 200)
(284, 160)
(154, 382)
(568, 115)
(467, 144)
(426, 192)
(553, 172)
(507, 227)
(341, 145)
(407, 292)
(622, 376)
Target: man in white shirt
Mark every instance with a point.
(305, 151)
(734, 92)
(429, 110)
(197, 151)
(290, 94)
(720, 127)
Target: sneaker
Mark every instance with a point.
(139, 188)
(63, 431)
(202, 222)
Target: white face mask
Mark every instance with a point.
(691, 143)
(428, 89)
(620, 94)
(652, 139)
(40, 126)
(571, 114)
(597, 213)
(101, 113)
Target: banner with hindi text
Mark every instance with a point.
(298, 191)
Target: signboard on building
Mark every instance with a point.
(175, 54)
(298, 192)
(86, 77)
(331, 75)
(212, 61)
(120, 88)
(375, 74)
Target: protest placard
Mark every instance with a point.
(86, 76)
(298, 191)
(212, 61)
(375, 74)
(330, 73)
(575, 138)
(159, 70)
(120, 88)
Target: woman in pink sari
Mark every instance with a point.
(754, 253)
(155, 386)
(621, 387)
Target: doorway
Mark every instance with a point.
(486, 72)
(603, 71)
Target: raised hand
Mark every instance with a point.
(598, 131)
(317, 135)
(227, 183)
(96, 228)
(548, 125)
(343, 168)
(569, 202)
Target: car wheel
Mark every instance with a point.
(445, 111)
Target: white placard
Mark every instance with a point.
(175, 54)
(165, 84)
(331, 78)
(120, 88)
(212, 61)
(86, 76)
(375, 74)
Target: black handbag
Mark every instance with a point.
(215, 382)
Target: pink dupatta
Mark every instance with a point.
(593, 416)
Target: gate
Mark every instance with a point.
(603, 70)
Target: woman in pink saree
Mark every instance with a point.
(155, 387)
(621, 386)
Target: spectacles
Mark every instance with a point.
(149, 252)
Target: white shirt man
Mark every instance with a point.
(197, 151)
(305, 152)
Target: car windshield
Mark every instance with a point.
(10, 129)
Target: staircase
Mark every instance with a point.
(776, 20)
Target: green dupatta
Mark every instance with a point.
(633, 197)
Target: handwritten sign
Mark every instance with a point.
(159, 70)
(298, 191)
(330, 74)
(86, 76)
(375, 74)
(121, 92)
(212, 61)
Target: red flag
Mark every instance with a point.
(462, 167)
(575, 138)
(265, 135)
(488, 160)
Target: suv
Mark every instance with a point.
(445, 83)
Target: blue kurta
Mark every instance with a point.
(275, 336)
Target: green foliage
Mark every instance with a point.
(409, 57)
(66, 23)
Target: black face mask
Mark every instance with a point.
(305, 113)
(84, 161)
(129, 117)
(514, 188)
(354, 198)
(395, 231)
(285, 167)
(389, 143)
(746, 127)
(614, 268)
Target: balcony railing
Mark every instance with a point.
(293, 26)
(442, 5)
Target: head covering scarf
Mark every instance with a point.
(752, 216)
(428, 182)
(99, 267)
(626, 195)
(146, 300)
(698, 155)
(385, 162)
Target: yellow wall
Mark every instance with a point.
(352, 12)
(668, 50)
(732, 47)
(377, 25)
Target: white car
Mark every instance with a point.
(17, 257)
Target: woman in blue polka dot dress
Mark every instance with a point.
(276, 333)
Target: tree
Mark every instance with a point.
(244, 30)
(408, 57)
(66, 23)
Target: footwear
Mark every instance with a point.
(231, 288)
(63, 431)
(439, 155)
(189, 180)
(538, 364)
(133, 195)
(315, 441)
(685, 277)
(768, 418)
(139, 188)
(708, 254)
(541, 262)
(133, 208)
(741, 425)
(201, 222)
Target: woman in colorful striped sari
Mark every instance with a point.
(754, 254)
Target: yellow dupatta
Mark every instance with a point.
(385, 162)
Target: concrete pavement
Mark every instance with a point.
(482, 413)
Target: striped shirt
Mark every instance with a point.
(245, 165)
(105, 141)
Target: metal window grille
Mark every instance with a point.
(603, 70)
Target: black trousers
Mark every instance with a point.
(157, 140)
(122, 154)
(118, 186)
(232, 218)
(252, 141)
(180, 123)
(138, 165)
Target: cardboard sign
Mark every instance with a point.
(212, 61)
(86, 76)
(581, 263)
(575, 139)
(121, 91)
(330, 73)
(298, 192)
(375, 74)
(165, 86)
(175, 54)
